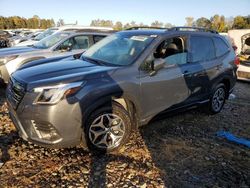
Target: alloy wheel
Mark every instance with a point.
(107, 131)
(218, 99)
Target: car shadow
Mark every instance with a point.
(5, 143)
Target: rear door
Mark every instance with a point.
(203, 67)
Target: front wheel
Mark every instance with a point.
(108, 128)
(217, 99)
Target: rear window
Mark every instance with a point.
(202, 49)
(221, 47)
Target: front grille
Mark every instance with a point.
(15, 92)
(243, 74)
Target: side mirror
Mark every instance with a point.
(157, 65)
(77, 56)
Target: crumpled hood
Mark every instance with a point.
(16, 50)
(61, 72)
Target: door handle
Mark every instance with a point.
(186, 72)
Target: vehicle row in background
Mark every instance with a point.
(60, 44)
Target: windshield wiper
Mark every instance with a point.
(93, 60)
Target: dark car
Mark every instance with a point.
(4, 39)
(119, 84)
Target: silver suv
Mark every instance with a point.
(59, 44)
(120, 83)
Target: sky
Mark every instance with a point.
(146, 11)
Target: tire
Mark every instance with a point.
(217, 99)
(113, 136)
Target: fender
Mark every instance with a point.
(30, 59)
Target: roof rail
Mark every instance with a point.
(85, 27)
(91, 30)
(144, 27)
(202, 29)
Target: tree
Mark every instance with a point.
(189, 21)
(126, 26)
(102, 23)
(168, 25)
(43, 24)
(157, 24)
(60, 22)
(218, 23)
(118, 26)
(203, 22)
(229, 23)
(133, 24)
(52, 22)
(239, 22)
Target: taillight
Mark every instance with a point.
(236, 61)
(235, 48)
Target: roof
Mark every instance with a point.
(144, 32)
(85, 32)
(166, 31)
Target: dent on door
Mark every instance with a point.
(159, 92)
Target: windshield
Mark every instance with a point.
(45, 34)
(51, 40)
(118, 49)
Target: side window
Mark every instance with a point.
(67, 43)
(81, 42)
(220, 46)
(202, 49)
(97, 38)
(172, 51)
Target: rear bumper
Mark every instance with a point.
(243, 72)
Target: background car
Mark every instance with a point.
(23, 37)
(4, 39)
(59, 44)
(54, 30)
(243, 71)
(241, 39)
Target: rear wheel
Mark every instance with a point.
(108, 128)
(217, 99)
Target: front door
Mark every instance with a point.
(166, 86)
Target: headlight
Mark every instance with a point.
(53, 94)
(4, 60)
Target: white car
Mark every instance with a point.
(243, 71)
(241, 38)
(54, 30)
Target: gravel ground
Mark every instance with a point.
(176, 151)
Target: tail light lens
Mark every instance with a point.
(237, 61)
(235, 48)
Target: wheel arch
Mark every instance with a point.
(227, 84)
(31, 59)
(125, 102)
(223, 80)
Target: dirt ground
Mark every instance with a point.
(176, 151)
